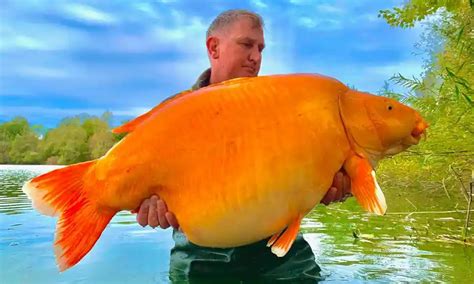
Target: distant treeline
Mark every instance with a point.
(75, 139)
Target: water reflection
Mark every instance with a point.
(348, 244)
(12, 199)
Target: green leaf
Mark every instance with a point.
(458, 38)
(468, 99)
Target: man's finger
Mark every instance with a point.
(329, 197)
(172, 220)
(161, 210)
(338, 181)
(339, 193)
(152, 214)
(347, 186)
(142, 216)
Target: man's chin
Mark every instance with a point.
(249, 73)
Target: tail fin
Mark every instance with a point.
(81, 222)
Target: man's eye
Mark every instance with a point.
(246, 44)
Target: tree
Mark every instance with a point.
(444, 94)
(25, 149)
(67, 143)
(18, 142)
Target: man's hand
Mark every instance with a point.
(340, 189)
(153, 212)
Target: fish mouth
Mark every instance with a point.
(418, 131)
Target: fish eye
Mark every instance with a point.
(390, 107)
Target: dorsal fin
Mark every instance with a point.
(132, 124)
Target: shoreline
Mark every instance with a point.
(29, 167)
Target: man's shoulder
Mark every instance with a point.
(203, 80)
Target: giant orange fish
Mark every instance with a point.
(236, 162)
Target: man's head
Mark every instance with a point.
(235, 43)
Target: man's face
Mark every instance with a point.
(240, 47)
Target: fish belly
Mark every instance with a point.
(252, 215)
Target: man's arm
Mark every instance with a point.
(153, 211)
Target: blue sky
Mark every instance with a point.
(63, 58)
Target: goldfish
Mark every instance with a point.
(236, 162)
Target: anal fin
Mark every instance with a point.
(282, 245)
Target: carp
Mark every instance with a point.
(236, 162)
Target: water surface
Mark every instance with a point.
(349, 245)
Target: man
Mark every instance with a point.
(234, 44)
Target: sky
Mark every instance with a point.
(65, 58)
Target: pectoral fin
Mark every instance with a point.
(364, 186)
(284, 242)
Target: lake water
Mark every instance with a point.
(349, 244)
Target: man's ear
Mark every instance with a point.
(212, 44)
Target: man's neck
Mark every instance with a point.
(214, 78)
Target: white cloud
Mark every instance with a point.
(147, 10)
(65, 112)
(365, 78)
(24, 42)
(331, 9)
(42, 72)
(301, 2)
(39, 37)
(406, 68)
(279, 55)
(186, 36)
(167, 1)
(89, 14)
(319, 24)
(59, 112)
(259, 4)
(307, 22)
(134, 111)
(369, 17)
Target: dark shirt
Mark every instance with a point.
(254, 263)
(203, 80)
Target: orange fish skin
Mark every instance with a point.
(236, 162)
(227, 159)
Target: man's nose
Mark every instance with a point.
(255, 55)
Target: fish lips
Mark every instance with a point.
(418, 131)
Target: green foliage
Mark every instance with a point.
(17, 126)
(417, 10)
(18, 142)
(76, 139)
(24, 149)
(444, 96)
(100, 143)
(68, 142)
(389, 93)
